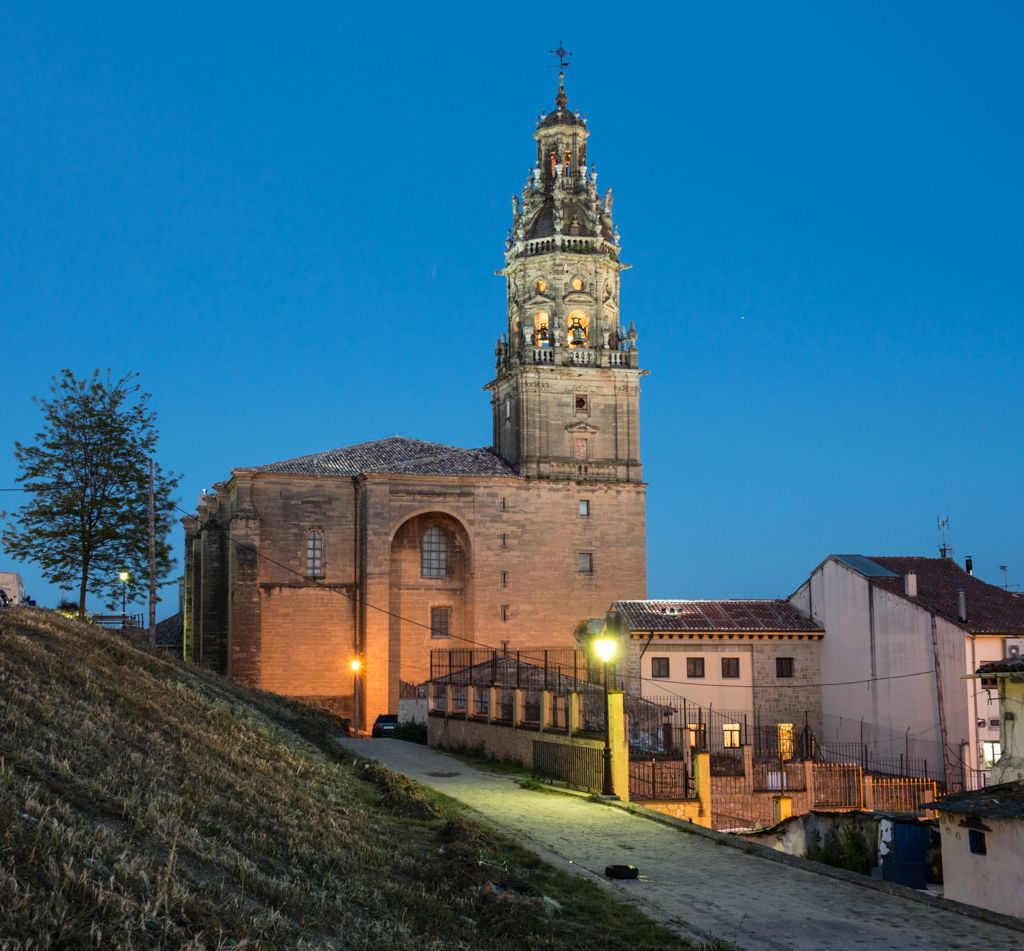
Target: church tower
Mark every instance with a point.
(565, 397)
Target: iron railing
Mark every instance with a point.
(579, 767)
(658, 778)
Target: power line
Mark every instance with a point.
(491, 647)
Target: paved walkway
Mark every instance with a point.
(689, 882)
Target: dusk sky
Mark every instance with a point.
(287, 219)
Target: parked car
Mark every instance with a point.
(385, 724)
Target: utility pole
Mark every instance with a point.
(152, 563)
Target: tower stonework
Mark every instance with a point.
(565, 398)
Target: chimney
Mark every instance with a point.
(961, 605)
(910, 584)
(969, 565)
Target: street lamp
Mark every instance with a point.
(605, 648)
(124, 576)
(356, 664)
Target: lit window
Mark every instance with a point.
(659, 666)
(314, 554)
(731, 736)
(698, 735)
(577, 284)
(783, 666)
(584, 506)
(976, 842)
(991, 751)
(787, 741)
(440, 621)
(434, 554)
(730, 667)
(541, 285)
(585, 562)
(694, 666)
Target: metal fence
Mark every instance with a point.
(902, 795)
(660, 778)
(558, 669)
(779, 775)
(838, 786)
(580, 767)
(870, 760)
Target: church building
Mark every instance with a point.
(385, 550)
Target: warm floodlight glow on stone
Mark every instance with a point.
(604, 647)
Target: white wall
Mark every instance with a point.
(733, 695)
(873, 641)
(992, 880)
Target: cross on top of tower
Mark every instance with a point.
(561, 53)
(563, 64)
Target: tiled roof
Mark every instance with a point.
(1005, 801)
(729, 615)
(990, 609)
(1009, 665)
(396, 454)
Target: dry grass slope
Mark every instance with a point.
(146, 804)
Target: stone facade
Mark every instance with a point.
(753, 659)
(385, 550)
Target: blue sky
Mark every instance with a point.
(287, 219)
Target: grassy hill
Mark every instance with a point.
(148, 804)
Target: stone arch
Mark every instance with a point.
(431, 571)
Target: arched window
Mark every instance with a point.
(314, 554)
(434, 554)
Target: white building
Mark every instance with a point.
(901, 632)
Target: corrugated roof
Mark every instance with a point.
(397, 454)
(990, 609)
(1005, 801)
(728, 615)
(1009, 666)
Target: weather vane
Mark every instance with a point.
(561, 53)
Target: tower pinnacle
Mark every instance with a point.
(561, 99)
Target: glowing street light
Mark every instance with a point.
(124, 576)
(605, 648)
(357, 665)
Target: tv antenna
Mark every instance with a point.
(945, 549)
(1006, 585)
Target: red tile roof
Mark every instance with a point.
(990, 609)
(397, 454)
(728, 615)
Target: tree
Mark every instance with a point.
(88, 480)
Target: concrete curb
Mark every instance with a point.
(828, 871)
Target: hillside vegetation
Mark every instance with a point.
(148, 804)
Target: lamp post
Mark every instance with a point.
(124, 576)
(356, 665)
(605, 647)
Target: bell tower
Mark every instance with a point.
(566, 392)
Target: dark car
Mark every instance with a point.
(385, 724)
